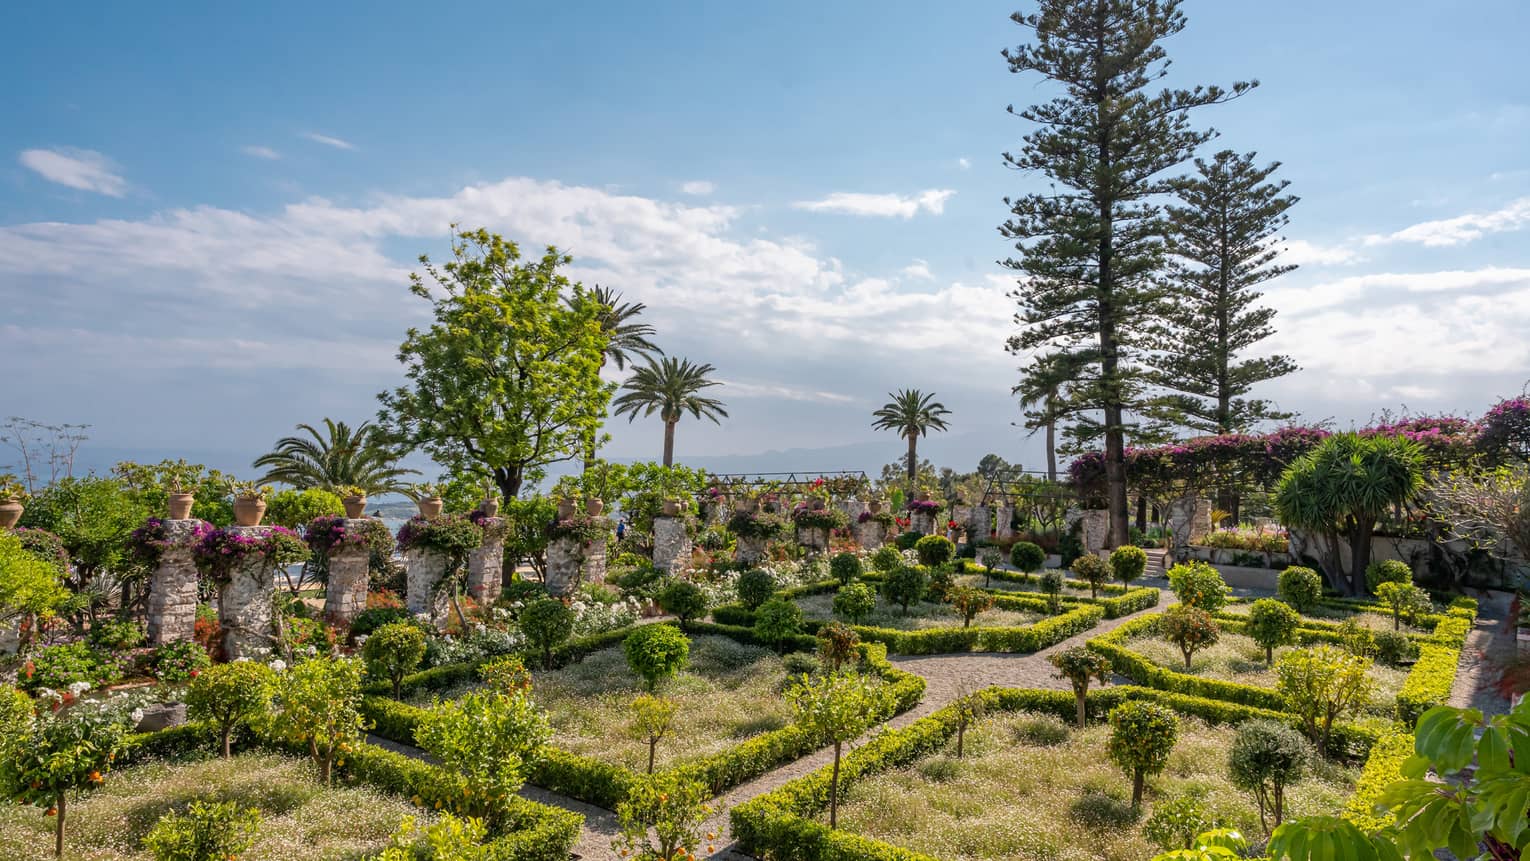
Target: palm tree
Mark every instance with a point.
(337, 458)
(625, 338)
(670, 388)
(912, 414)
(1041, 392)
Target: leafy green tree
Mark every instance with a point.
(1090, 246)
(660, 820)
(1189, 628)
(506, 380)
(63, 753)
(295, 509)
(684, 600)
(1224, 239)
(1027, 557)
(319, 703)
(1128, 562)
(969, 602)
(656, 653)
(912, 414)
(1093, 570)
(506, 674)
(670, 387)
(547, 624)
(886, 559)
(934, 550)
(1198, 584)
(838, 645)
(394, 651)
(854, 601)
(652, 718)
(838, 707)
(1051, 585)
(29, 586)
(1300, 587)
(1342, 489)
(991, 557)
(626, 337)
(777, 621)
(94, 517)
(1266, 757)
(1321, 685)
(207, 831)
(1142, 735)
(150, 485)
(1079, 665)
(337, 458)
(1386, 571)
(968, 707)
(1044, 393)
(845, 567)
(231, 695)
(904, 586)
(1404, 599)
(492, 738)
(1272, 624)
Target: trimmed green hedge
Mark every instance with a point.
(1144, 672)
(1023, 638)
(1428, 683)
(780, 822)
(1121, 600)
(1383, 767)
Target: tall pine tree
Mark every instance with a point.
(1223, 240)
(1090, 245)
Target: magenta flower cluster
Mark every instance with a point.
(928, 505)
(149, 541)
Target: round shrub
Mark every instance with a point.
(1142, 735)
(1128, 562)
(854, 601)
(60, 666)
(227, 695)
(547, 624)
(177, 662)
(1189, 628)
(394, 651)
(371, 619)
(684, 600)
(907, 540)
(934, 550)
(1051, 584)
(1272, 624)
(1197, 584)
(1093, 570)
(656, 653)
(1027, 557)
(1386, 571)
(904, 586)
(755, 587)
(777, 621)
(845, 567)
(1395, 648)
(1266, 757)
(207, 831)
(1300, 587)
(886, 559)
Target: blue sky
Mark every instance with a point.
(207, 214)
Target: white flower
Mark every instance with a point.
(313, 650)
(136, 715)
(279, 665)
(240, 658)
(361, 640)
(78, 688)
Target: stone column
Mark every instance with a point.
(1004, 518)
(1096, 529)
(854, 508)
(922, 522)
(1201, 520)
(671, 544)
(979, 525)
(423, 570)
(717, 512)
(594, 565)
(244, 602)
(565, 563)
(173, 587)
(1181, 518)
(486, 565)
(870, 534)
(749, 550)
(815, 539)
(346, 593)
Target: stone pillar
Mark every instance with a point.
(854, 508)
(423, 570)
(486, 565)
(979, 525)
(565, 563)
(749, 550)
(815, 539)
(346, 593)
(870, 534)
(1003, 520)
(1181, 519)
(173, 587)
(594, 564)
(244, 602)
(962, 514)
(1201, 519)
(717, 512)
(1096, 529)
(671, 544)
(922, 522)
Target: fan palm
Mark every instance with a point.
(1041, 391)
(671, 388)
(338, 457)
(912, 414)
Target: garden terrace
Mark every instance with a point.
(923, 616)
(901, 787)
(1114, 598)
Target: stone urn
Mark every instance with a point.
(489, 506)
(179, 505)
(874, 506)
(671, 508)
(748, 503)
(815, 504)
(10, 512)
(565, 509)
(355, 506)
(430, 506)
(249, 510)
(593, 507)
(924, 496)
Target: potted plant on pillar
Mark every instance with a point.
(249, 502)
(427, 497)
(180, 481)
(489, 505)
(13, 499)
(354, 498)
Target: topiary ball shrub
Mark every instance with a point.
(1197, 584)
(1300, 587)
(656, 653)
(1128, 562)
(777, 621)
(684, 600)
(1093, 570)
(755, 587)
(547, 624)
(934, 550)
(907, 540)
(1052, 585)
(394, 651)
(1142, 735)
(886, 559)
(845, 567)
(1386, 571)
(1395, 648)
(854, 601)
(1272, 624)
(1266, 757)
(1027, 557)
(904, 586)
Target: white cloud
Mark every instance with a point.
(335, 142)
(737, 389)
(1304, 253)
(964, 163)
(1384, 288)
(698, 187)
(932, 201)
(1461, 229)
(83, 169)
(918, 269)
(264, 152)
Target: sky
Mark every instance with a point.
(208, 214)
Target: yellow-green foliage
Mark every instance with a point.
(1384, 766)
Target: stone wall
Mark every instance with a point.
(486, 565)
(870, 535)
(244, 603)
(749, 550)
(172, 605)
(816, 540)
(1003, 520)
(349, 573)
(922, 522)
(424, 569)
(671, 544)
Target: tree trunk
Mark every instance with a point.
(961, 732)
(1269, 655)
(58, 827)
(1138, 779)
(669, 443)
(1142, 512)
(1052, 452)
(228, 730)
(913, 462)
(1189, 653)
(834, 790)
(1360, 553)
(1280, 803)
(508, 480)
(1082, 701)
(652, 744)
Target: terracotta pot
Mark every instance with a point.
(430, 506)
(489, 506)
(748, 503)
(593, 507)
(355, 506)
(178, 506)
(924, 496)
(249, 510)
(671, 508)
(874, 506)
(10, 513)
(565, 509)
(816, 504)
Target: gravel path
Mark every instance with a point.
(1490, 647)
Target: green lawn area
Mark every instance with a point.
(300, 819)
(1237, 658)
(923, 615)
(1026, 588)
(1366, 619)
(1072, 804)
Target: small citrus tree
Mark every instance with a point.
(656, 653)
(1265, 758)
(1093, 569)
(845, 567)
(547, 624)
(319, 707)
(1128, 562)
(1300, 587)
(1405, 599)
(903, 586)
(969, 602)
(1079, 665)
(1197, 584)
(1142, 735)
(854, 601)
(492, 739)
(394, 651)
(1322, 684)
(506, 674)
(990, 557)
(661, 818)
(1052, 586)
(63, 753)
(229, 695)
(1272, 624)
(838, 645)
(684, 600)
(934, 550)
(1189, 628)
(652, 718)
(837, 708)
(1027, 557)
(969, 707)
(205, 832)
(777, 621)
